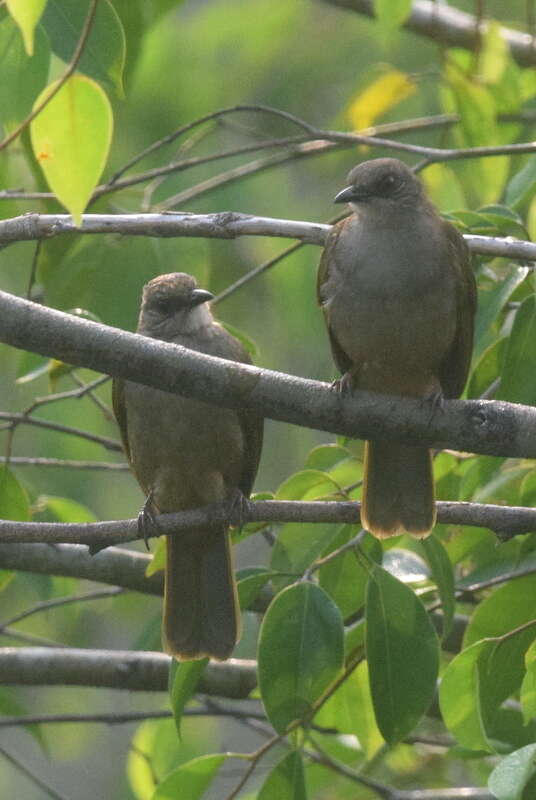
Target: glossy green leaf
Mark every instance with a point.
(325, 456)
(104, 53)
(71, 138)
(310, 482)
(460, 698)
(26, 14)
(405, 565)
(528, 686)
(344, 578)
(190, 780)
(402, 653)
(250, 583)
(513, 773)
(286, 781)
(301, 651)
(298, 545)
(522, 186)
(14, 502)
(493, 56)
(23, 77)
(518, 379)
(158, 560)
(443, 577)
(490, 303)
(184, 678)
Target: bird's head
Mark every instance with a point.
(173, 304)
(381, 183)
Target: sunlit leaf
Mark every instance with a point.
(190, 780)
(390, 14)
(158, 560)
(402, 653)
(300, 652)
(286, 781)
(378, 97)
(66, 510)
(523, 185)
(513, 773)
(70, 138)
(493, 55)
(13, 498)
(528, 687)
(325, 456)
(310, 482)
(26, 14)
(443, 186)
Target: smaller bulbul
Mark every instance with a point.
(398, 294)
(186, 453)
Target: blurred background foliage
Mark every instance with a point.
(337, 70)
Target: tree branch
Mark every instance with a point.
(480, 426)
(505, 521)
(117, 669)
(223, 225)
(449, 26)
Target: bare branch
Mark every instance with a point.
(223, 225)
(63, 463)
(449, 26)
(109, 444)
(117, 669)
(480, 426)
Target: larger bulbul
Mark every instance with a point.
(399, 297)
(186, 453)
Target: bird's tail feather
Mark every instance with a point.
(398, 490)
(201, 611)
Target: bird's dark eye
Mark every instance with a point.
(388, 183)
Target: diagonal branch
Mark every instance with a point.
(479, 426)
(449, 26)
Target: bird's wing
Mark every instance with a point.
(120, 411)
(454, 368)
(327, 260)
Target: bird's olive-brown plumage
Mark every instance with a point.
(398, 295)
(186, 453)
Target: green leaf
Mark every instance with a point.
(493, 55)
(528, 687)
(390, 14)
(301, 651)
(190, 780)
(184, 677)
(325, 456)
(402, 653)
(250, 583)
(349, 710)
(522, 186)
(14, 502)
(298, 545)
(405, 565)
(26, 15)
(286, 781)
(490, 303)
(344, 578)
(518, 380)
(310, 482)
(66, 510)
(71, 138)
(513, 773)
(443, 577)
(103, 57)
(158, 560)
(10, 707)
(460, 698)
(22, 77)
(249, 344)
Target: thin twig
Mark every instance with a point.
(63, 463)
(46, 605)
(22, 768)
(109, 444)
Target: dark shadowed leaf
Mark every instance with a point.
(286, 781)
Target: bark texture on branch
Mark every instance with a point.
(117, 669)
(449, 26)
(479, 426)
(223, 225)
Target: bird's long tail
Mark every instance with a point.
(201, 612)
(398, 490)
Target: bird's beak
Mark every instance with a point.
(346, 195)
(200, 296)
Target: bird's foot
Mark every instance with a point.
(343, 385)
(147, 524)
(435, 401)
(237, 509)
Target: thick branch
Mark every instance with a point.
(449, 26)
(223, 225)
(490, 427)
(117, 669)
(505, 521)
